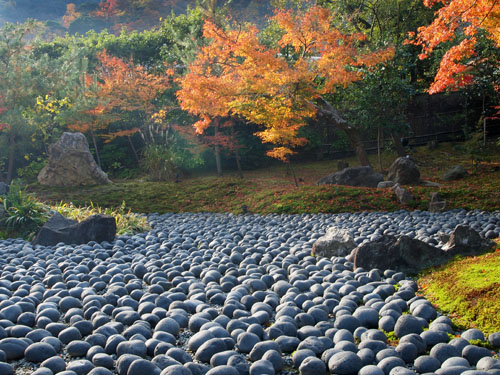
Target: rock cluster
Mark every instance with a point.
(220, 294)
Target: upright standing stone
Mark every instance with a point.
(71, 163)
(404, 171)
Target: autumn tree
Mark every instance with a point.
(458, 25)
(71, 15)
(236, 75)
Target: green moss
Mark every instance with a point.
(468, 290)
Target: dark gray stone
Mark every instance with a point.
(223, 370)
(344, 363)
(466, 241)
(57, 229)
(39, 352)
(455, 173)
(209, 348)
(246, 341)
(6, 369)
(13, 347)
(353, 176)
(473, 353)
(443, 351)
(407, 324)
(426, 363)
(143, 367)
(404, 254)
(404, 171)
(80, 366)
(312, 366)
(55, 364)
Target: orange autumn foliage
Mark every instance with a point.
(122, 87)
(236, 75)
(71, 15)
(463, 18)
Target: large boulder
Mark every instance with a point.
(335, 243)
(71, 163)
(404, 254)
(404, 171)
(353, 176)
(454, 173)
(57, 229)
(466, 241)
(411, 256)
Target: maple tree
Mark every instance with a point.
(118, 88)
(236, 75)
(71, 15)
(460, 23)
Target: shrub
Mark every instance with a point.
(158, 162)
(126, 220)
(24, 213)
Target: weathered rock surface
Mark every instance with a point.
(410, 255)
(437, 202)
(57, 229)
(402, 254)
(466, 241)
(335, 243)
(403, 195)
(342, 165)
(404, 171)
(455, 173)
(385, 184)
(353, 176)
(71, 163)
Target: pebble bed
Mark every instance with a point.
(221, 294)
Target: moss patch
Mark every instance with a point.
(468, 290)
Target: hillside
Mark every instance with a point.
(62, 17)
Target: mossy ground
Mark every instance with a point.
(467, 290)
(271, 190)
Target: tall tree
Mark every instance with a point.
(236, 75)
(458, 25)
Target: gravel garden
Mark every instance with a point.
(224, 294)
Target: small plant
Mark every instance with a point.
(24, 213)
(158, 162)
(126, 220)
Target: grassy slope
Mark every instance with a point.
(468, 290)
(272, 190)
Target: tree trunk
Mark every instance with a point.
(237, 154)
(12, 148)
(217, 160)
(238, 163)
(400, 150)
(217, 150)
(379, 148)
(293, 174)
(359, 147)
(327, 111)
(136, 155)
(92, 135)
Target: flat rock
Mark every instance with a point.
(455, 173)
(353, 176)
(57, 229)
